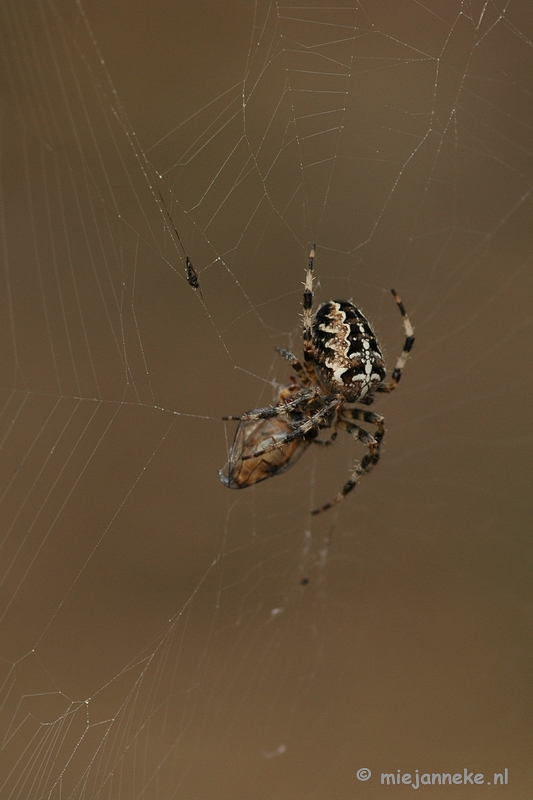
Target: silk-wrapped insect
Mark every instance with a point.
(245, 467)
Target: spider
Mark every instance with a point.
(342, 364)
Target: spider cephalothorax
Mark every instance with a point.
(343, 364)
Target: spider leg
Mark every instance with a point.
(347, 414)
(367, 400)
(309, 296)
(295, 364)
(258, 413)
(307, 317)
(366, 416)
(314, 422)
(409, 341)
(356, 413)
(366, 464)
(326, 442)
(301, 401)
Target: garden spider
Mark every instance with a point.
(342, 364)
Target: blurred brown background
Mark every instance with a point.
(156, 638)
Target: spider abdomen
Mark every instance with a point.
(348, 359)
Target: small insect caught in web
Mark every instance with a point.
(342, 365)
(190, 272)
(192, 275)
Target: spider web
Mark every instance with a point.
(163, 637)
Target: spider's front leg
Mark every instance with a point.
(284, 408)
